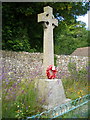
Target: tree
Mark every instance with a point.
(22, 32)
(72, 37)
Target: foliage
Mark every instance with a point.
(19, 95)
(73, 71)
(75, 88)
(55, 59)
(22, 32)
(81, 112)
(19, 101)
(73, 36)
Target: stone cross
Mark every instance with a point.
(49, 22)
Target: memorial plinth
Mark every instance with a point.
(50, 92)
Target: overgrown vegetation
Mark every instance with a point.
(19, 101)
(22, 32)
(20, 96)
(55, 60)
(81, 112)
(76, 84)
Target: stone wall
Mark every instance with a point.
(25, 64)
(63, 60)
(20, 64)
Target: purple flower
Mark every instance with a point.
(43, 100)
(22, 91)
(0, 77)
(10, 89)
(27, 108)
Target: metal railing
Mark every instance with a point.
(62, 109)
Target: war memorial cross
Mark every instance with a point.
(49, 23)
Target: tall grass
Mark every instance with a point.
(76, 84)
(19, 96)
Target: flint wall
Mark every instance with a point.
(26, 64)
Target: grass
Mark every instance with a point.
(23, 104)
(80, 112)
(76, 84)
(20, 97)
(75, 89)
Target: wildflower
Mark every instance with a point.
(78, 93)
(18, 111)
(22, 91)
(81, 90)
(56, 113)
(18, 106)
(26, 107)
(9, 73)
(10, 89)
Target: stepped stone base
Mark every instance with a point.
(50, 92)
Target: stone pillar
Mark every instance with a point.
(49, 22)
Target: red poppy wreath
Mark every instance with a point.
(51, 72)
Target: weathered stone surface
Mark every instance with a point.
(63, 60)
(26, 63)
(51, 92)
(49, 23)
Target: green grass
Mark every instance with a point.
(20, 100)
(25, 103)
(81, 112)
(76, 84)
(75, 89)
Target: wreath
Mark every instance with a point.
(51, 72)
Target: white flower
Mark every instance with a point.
(10, 73)
(53, 68)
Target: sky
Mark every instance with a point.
(84, 18)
